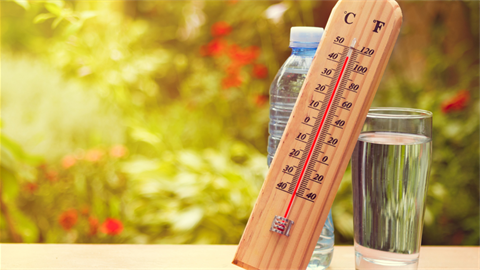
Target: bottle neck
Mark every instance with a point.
(303, 51)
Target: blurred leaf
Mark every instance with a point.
(428, 217)
(23, 3)
(59, 3)
(55, 7)
(88, 14)
(190, 159)
(71, 29)
(140, 166)
(42, 17)
(13, 152)
(144, 135)
(56, 22)
(188, 219)
(10, 185)
(438, 191)
(25, 226)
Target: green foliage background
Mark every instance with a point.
(81, 77)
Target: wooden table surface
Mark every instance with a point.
(76, 256)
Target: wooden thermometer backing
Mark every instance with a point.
(320, 136)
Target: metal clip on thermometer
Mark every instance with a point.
(320, 136)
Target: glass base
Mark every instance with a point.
(367, 258)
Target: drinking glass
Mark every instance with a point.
(391, 167)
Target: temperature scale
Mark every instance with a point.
(320, 136)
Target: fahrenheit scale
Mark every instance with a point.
(320, 136)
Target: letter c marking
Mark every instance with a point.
(346, 17)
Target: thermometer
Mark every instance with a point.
(320, 136)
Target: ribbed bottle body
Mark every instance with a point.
(284, 92)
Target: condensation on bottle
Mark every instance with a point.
(284, 91)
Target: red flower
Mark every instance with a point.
(30, 187)
(85, 210)
(52, 175)
(93, 226)
(118, 151)
(233, 68)
(68, 219)
(68, 161)
(42, 167)
(457, 102)
(243, 56)
(112, 226)
(220, 29)
(260, 100)
(260, 71)
(215, 47)
(232, 80)
(457, 238)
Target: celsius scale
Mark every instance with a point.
(320, 136)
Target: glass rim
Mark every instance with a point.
(398, 113)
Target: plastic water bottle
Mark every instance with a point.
(283, 95)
